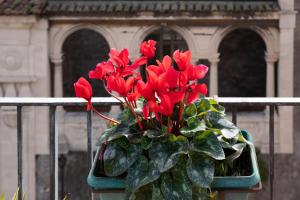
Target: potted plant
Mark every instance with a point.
(169, 141)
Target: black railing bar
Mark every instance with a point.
(234, 115)
(89, 138)
(90, 156)
(271, 149)
(53, 155)
(68, 101)
(20, 151)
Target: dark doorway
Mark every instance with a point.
(82, 50)
(242, 67)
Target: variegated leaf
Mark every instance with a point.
(200, 170)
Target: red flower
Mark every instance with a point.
(102, 70)
(147, 48)
(198, 72)
(83, 89)
(120, 59)
(182, 59)
(162, 67)
(134, 95)
(166, 105)
(194, 91)
(118, 84)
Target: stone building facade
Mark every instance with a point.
(41, 40)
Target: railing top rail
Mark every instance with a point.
(66, 101)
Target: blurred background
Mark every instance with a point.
(252, 48)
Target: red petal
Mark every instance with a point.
(154, 69)
(94, 74)
(172, 77)
(200, 71)
(124, 56)
(140, 61)
(167, 62)
(83, 89)
(201, 88)
(152, 79)
(191, 97)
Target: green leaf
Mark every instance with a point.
(117, 160)
(15, 197)
(166, 155)
(146, 143)
(114, 133)
(203, 105)
(213, 102)
(126, 116)
(156, 192)
(200, 169)
(213, 196)
(141, 173)
(190, 131)
(230, 133)
(238, 151)
(154, 133)
(199, 193)
(122, 142)
(217, 120)
(2, 196)
(208, 143)
(193, 122)
(190, 111)
(175, 184)
(212, 118)
(144, 193)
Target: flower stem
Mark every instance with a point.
(104, 85)
(105, 117)
(135, 115)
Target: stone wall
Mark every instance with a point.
(24, 72)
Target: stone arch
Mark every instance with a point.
(57, 40)
(58, 35)
(143, 32)
(266, 34)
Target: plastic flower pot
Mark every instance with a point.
(230, 187)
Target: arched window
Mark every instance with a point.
(242, 66)
(82, 50)
(167, 42)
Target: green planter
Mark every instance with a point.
(113, 188)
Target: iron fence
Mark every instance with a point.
(53, 103)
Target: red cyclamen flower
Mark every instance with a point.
(197, 72)
(195, 90)
(182, 59)
(147, 48)
(120, 85)
(84, 90)
(102, 70)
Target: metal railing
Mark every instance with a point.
(52, 103)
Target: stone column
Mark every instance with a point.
(213, 76)
(58, 77)
(285, 76)
(270, 61)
